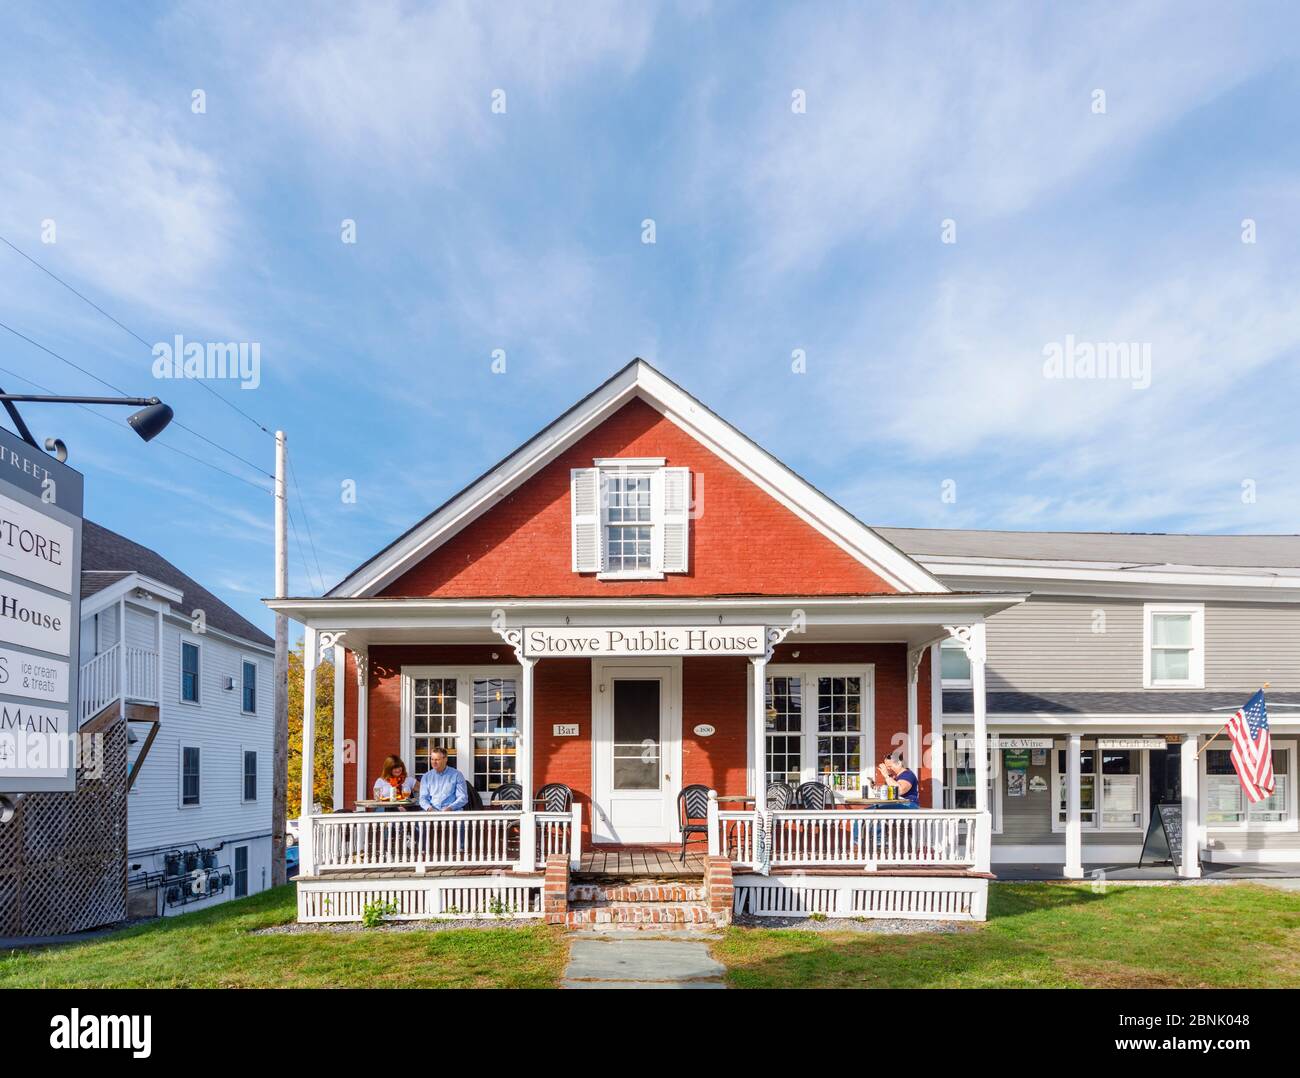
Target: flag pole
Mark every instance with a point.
(1221, 729)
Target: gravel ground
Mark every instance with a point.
(882, 925)
(295, 929)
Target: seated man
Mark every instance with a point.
(442, 788)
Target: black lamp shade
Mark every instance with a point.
(150, 422)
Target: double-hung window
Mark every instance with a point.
(248, 687)
(189, 672)
(630, 518)
(1226, 803)
(1174, 643)
(820, 725)
(250, 775)
(190, 776)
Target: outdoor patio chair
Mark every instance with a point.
(779, 796)
(508, 792)
(555, 797)
(693, 805)
(813, 796)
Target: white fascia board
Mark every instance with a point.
(109, 596)
(1190, 576)
(179, 619)
(1170, 723)
(641, 380)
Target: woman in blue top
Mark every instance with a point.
(904, 780)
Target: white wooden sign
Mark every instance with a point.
(564, 729)
(32, 619)
(34, 546)
(33, 677)
(540, 643)
(1131, 743)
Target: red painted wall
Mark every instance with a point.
(742, 542)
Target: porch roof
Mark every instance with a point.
(913, 619)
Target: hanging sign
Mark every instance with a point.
(565, 641)
(40, 615)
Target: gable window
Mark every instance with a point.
(630, 518)
(250, 775)
(249, 687)
(1226, 804)
(189, 672)
(954, 665)
(189, 775)
(1174, 646)
(820, 725)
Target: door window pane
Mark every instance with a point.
(784, 721)
(636, 734)
(433, 719)
(839, 713)
(495, 730)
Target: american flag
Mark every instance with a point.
(1252, 749)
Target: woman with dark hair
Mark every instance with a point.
(903, 780)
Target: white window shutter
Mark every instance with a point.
(584, 492)
(674, 518)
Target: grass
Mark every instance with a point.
(216, 948)
(1049, 936)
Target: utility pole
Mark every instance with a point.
(280, 752)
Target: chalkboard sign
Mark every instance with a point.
(1164, 841)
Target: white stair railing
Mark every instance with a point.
(141, 674)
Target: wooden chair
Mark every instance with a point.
(693, 804)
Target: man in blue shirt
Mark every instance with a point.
(442, 789)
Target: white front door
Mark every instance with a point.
(637, 723)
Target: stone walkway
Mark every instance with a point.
(631, 960)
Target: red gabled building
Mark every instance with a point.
(592, 621)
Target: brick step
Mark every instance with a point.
(639, 913)
(635, 892)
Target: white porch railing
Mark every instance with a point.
(141, 674)
(101, 678)
(358, 841)
(909, 838)
(98, 683)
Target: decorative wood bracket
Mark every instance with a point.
(514, 640)
(327, 640)
(972, 642)
(363, 668)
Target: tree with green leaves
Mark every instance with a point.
(323, 771)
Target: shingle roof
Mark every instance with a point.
(1143, 548)
(106, 557)
(1110, 703)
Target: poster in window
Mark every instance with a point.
(1038, 785)
(1016, 783)
(1017, 760)
(1038, 757)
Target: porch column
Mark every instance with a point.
(340, 661)
(937, 766)
(524, 766)
(913, 719)
(310, 660)
(1073, 809)
(979, 715)
(363, 720)
(759, 689)
(1190, 775)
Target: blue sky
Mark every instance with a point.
(775, 230)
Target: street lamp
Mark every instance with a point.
(148, 422)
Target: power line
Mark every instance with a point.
(120, 325)
(124, 393)
(117, 426)
(306, 565)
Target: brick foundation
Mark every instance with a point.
(719, 892)
(555, 890)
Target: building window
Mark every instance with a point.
(1110, 788)
(1174, 636)
(495, 730)
(189, 672)
(1226, 804)
(189, 775)
(433, 701)
(954, 665)
(249, 687)
(241, 871)
(833, 751)
(627, 523)
(250, 776)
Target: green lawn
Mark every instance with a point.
(1050, 935)
(215, 949)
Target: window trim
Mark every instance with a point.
(1196, 658)
(198, 675)
(996, 792)
(244, 799)
(245, 660)
(1099, 825)
(180, 763)
(951, 683)
(464, 677)
(808, 736)
(1292, 821)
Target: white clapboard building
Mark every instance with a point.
(193, 680)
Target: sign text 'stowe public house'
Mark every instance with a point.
(645, 640)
